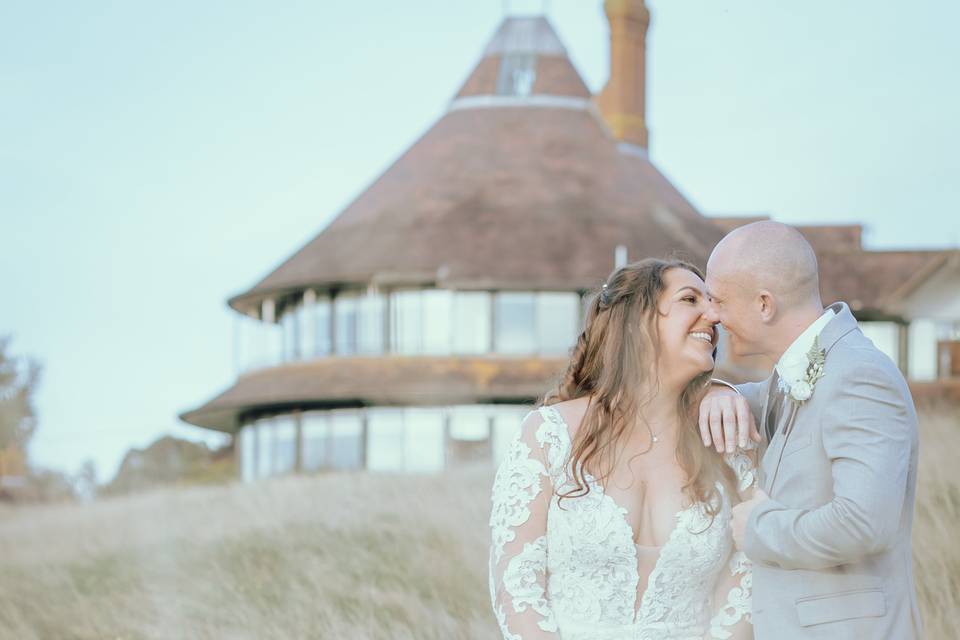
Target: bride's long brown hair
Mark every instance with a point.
(617, 356)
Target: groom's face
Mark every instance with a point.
(732, 304)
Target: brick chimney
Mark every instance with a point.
(623, 101)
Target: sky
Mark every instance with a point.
(158, 157)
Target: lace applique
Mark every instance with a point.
(742, 464)
(522, 582)
(516, 485)
(737, 606)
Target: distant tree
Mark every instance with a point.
(168, 461)
(18, 382)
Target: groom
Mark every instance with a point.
(829, 531)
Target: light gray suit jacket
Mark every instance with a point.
(832, 547)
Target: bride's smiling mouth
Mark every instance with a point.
(704, 335)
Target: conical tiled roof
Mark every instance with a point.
(519, 185)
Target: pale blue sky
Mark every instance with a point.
(157, 157)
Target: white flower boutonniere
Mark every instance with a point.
(801, 387)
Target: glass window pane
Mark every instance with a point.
(385, 439)
(423, 440)
(346, 438)
(370, 324)
(264, 427)
(517, 74)
(248, 453)
(284, 443)
(469, 423)
(437, 316)
(885, 336)
(515, 323)
(321, 316)
(557, 321)
(471, 322)
(316, 432)
(469, 435)
(345, 308)
(406, 322)
(307, 344)
(291, 336)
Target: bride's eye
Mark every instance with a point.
(690, 299)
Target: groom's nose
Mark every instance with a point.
(710, 313)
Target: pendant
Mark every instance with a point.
(655, 439)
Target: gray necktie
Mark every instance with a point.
(774, 406)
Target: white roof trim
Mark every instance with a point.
(538, 100)
(633, 150)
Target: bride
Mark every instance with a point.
(611, 520)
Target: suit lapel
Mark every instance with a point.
(765, 413)
(788, 415)
(841, 324)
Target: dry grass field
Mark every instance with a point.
(340, 556)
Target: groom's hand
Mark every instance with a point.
(741, 514)
(726, 420)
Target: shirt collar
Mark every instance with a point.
(802, 344)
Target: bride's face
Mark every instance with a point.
(687, 328)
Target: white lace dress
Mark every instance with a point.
(571, 570)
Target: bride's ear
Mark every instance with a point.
(767, 306)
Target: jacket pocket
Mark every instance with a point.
(797, 443)
(846, 605)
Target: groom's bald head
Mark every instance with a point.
(764, 287)
(767, 256)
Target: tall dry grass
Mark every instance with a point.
(340, 556)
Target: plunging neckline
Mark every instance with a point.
(640, 601)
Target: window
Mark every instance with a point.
(346, 439)
(423, 440)
(264, 427)
(515, 323)
(885, 336)
(471, 322)
(248, 453)
(316, 433)
(437, 316)
(385, 439)
(345, 326)
(321, 323)
(291, 334)
(406, 321)
(517, 74)
(284, 444)
(307, 347)
(370, 311)
(557, 321)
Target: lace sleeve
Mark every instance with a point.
(733, 590)
(518, 553)
(733, 593)
(744, 465)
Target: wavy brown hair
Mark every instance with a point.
(617, 356)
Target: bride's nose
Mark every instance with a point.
(710, 313)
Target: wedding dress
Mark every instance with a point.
(570, 570)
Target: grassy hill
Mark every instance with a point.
(338, 556)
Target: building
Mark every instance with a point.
(415, 330)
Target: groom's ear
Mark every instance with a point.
(767, 305)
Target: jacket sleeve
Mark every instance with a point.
(521, 497)
(868, 429)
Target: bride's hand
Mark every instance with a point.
(741, 515)
(725, 420)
